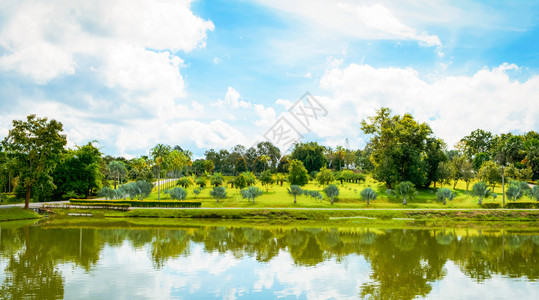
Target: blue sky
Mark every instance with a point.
(213, 74)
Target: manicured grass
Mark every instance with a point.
(277, 196)
(17, 213)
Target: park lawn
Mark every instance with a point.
(17, 213)
(349, 197)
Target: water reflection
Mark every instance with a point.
(400, 263)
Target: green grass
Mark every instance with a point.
(17, 213)
(278, 196)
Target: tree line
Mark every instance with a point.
(35, 162)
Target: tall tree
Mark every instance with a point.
(478, 141)
(297, 174)
(159, 154)
(311, 155)
(35, 145)
(398, 147)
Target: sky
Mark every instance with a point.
(130, 74)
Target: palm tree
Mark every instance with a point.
(534, 192)
(295, 190)
(218, 192)
(481, 190)
(368, 194)
(404, 190)
(444, 194)
(331, 191)
(217, 179)
(159, 153)
(514, 191)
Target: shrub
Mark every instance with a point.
(177, 193)
(491, 205)
(139, 203)
(522, 205)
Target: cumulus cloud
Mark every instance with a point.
(233, 99)
(453, 105)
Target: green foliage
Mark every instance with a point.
(250, 178)
(368, 195)
(297, 174)
(534, 193)
(266, 178)
(480, 159)
(443, 173)
(491, 205)
(177, 193)
(310, 154)
(479, 141)
(217, 179)
(295, 190)
(117, 171)
(516, 190)
(34, 146)
(331, 191)
(481, 190)
(490, 172)
(187, 181)
(218, 193)
(444, 194)
(196, 192)
(251, 193)
(313, 194)
(325, 176)
(524, 205)
(240, 182)
(398, 147)
(404, 190)
(200, 181)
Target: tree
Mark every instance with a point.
(404, 190)
(516, 190)
(368, 195)
(142, 189)
(467, 173)
(177, 193)
(251, 193)
(266, 178)
(117, 171)
(196, 192)
(490, 172)
(217, 179)
(443, 173)
(209, 165)
(481, 190)
(398, 147)
(331, 191)
(35, 146)
(310, 154)
(478, 141)
(480, 159)
(240, 165)
(534, 193)
(295, 190)
(250, 178)
(280, 178)
(186, 182)
(457, 163)
(270, 151)
(444, 194)
(159, 153)
(218, 193)
(325, 176)
(297, 174)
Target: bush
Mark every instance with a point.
(491, 205)
(522, 205)
(138, 203)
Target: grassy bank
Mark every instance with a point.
(17, 213)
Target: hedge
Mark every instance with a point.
(89, 205)
(522, 205)
(491, 205)
(138, 203)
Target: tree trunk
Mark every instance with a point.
(455, 183)
(27, 198)
(480, 201)
(331, 200)
(294, 199)
(281, 183)
(158, 183)
(404, 201)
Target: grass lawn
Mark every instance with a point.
(17, 213)
(277, 196)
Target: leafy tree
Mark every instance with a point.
(436, 163)
(480, 159)
(443, 173)
(295, 190)
(209, 165)
(251, 193)
(198, 167)
(534, 193)
(457, 163)
(196, 192)
(240, 182)
(35, 146)
(159, 154)
(297, 174)
(467, 173)
(266, 178)
(325, 176)
(186, 181)
(398, 147)
(217, 179)
(481, 191)
(310, 154)
(283, 165)
(201, 181)
(177, 193)
(490, 172)
(117, 170)
(368, 195)
(331, 191)
(478, 141)
(241, 165)
(444, 194)
(404, 190)
(516, 190)
(250, 178)
(107, 192)
(270, 152)
(280, 178)
(218, 193)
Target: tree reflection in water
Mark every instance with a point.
(404, 263)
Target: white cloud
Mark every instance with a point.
(233, 100)
(267, 115)
(349, 18)
(452, 105)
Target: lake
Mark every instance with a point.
(121, 260)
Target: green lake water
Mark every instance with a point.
(93, 261)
